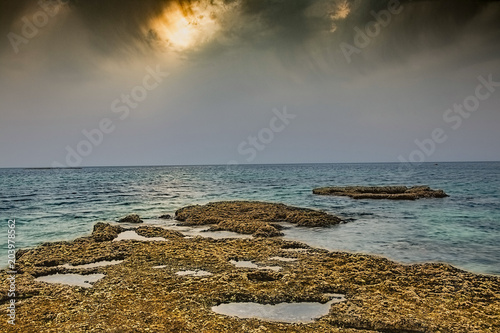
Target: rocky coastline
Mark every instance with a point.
(143, 291)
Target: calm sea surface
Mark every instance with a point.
(463, 230)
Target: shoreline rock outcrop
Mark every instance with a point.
(382, 192)
(132, 218)
(380, 295)
(252, 217)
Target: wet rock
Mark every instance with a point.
(382, 192)
(49, 263)
(295, 245)
(165, 217)
(132, 218)
(20, 252)
(249, 217)
(105, 232)
(150, 231)
(257, 228)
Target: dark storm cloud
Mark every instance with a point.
(116, 24)
(111, 25)
(425, 24)
(298, 33)
(9, 11)
(286, 18)
(122, 25)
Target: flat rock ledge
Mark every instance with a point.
(382, 192)
(133, 296)
(252, 217)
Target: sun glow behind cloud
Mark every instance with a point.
(183, 27)
(342, 10)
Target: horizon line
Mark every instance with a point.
(234, 165)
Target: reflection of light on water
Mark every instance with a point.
(78, 280)
(282, 312)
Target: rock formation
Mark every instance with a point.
(132, 218)
(382, 192)
(252, 217)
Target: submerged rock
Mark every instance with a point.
(165, 217)
(132, 218)
(382, 192)
(252, 217)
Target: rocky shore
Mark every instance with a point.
(252, 217)
(382, 192)
(145, 289)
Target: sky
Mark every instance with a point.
(180, 82)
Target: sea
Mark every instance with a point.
(462, 230)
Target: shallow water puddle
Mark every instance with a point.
(93, 265)
(132, 235)
(283, 312)
(85, 281)
(283, 259)
(221, 235)
(196, 273)
(249, 264)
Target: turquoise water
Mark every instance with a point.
(463, 230)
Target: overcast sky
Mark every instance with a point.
(161, 82)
